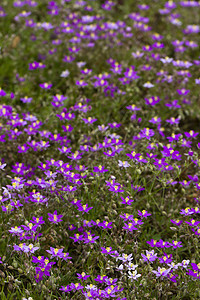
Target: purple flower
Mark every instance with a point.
(100, 169)
(55, 218)
(89, 120)
(176, 244)
(153, 243)
(170, 5)
(30, 248)
(101, 279)
(65, 288)
(130, 226)
(82, 276)
(24, 14)
(172, 277)
(150, 256)
(23, 149)
(2, 92)
(177, 222)
(166, 258)
(38, 276)
(196, 270)
(84, 208)
(65, 256)
(173, 121)
(38, 221)
(183, 92)
(116, 188)
(26, 99)
(81, 83)
(133, 107)
(143, 214)
(102, 128)
(19, 247)
(68, 58)
(158, 45)
(114, 125)
(75, 156)
(108, 250)
(30, 227)
(126, 201)
(155, 120)
(90, 238)
(76, 286)
(33, 66)
(193, 222)
(41, 271)
(105, 225)
(64, 150)
(45, 85)
(161, 272)
(192, 29)
(194, 178)
(137, 54)
(143, 6)
(147, 133)
(55, 252)
(71, 227)
(152, 100)
(163, 244)
(30, 23)
(67, 128)
(191, 134)
(100, 83)
(186, 143)
(77, 237)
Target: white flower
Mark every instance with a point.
(166, 60)
(131, 266)
(6, 193)
(185, 263)
(124, 164)
(2, 166)
(125, 257)
(176, 22)
(15, 230)
(148, 85)
(174, 266)
(114, 136)
(133, 275)
(91, 286)
(64, 73)
(120, 268)
(81, 64)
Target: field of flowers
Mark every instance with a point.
(100, 149)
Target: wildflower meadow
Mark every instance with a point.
(99, 149)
